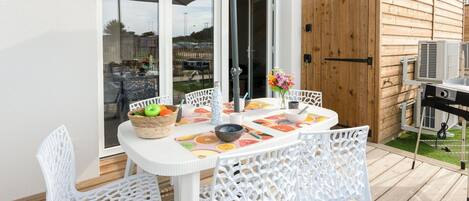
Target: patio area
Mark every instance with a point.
(259, 100)
(390, 176)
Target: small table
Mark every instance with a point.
(166, 157)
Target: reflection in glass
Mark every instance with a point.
(130, 55)
(192, 46)
(258, 46)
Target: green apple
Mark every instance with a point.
(152, 110)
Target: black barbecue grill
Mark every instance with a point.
(452, 97)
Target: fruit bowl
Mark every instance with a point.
(229, 132)
(153, 126)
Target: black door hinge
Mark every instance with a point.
(307, 58)
(309, 28)
(368, 60)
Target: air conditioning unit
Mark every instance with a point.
(437, 61)
(433, 117)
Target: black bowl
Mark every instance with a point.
(229, 132)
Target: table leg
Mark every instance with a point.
(187, 187)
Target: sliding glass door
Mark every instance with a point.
(158, 48)
(254, 46)
(193, 46)
(130, 58)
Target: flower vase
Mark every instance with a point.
(283, 100)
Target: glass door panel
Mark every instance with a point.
(130, 57)
(192, 46)
(252, 43)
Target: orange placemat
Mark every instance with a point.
(280, 122)
(200, 114)
(228, 108)
(207, 143)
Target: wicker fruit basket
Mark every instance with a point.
(153, 127)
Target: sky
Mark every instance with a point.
(142, 17)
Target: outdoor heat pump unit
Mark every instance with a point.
(437, 61)
(433, 117)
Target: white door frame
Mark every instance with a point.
(221, 58)
(271, 41)
(166, 47)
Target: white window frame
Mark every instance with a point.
(221, 57)
(271, 41)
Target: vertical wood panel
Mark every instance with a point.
(342, 29)
(394, 29)
(404, 24)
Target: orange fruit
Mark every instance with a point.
(162, 107)
(165, 112)
(206, 139)
(226, 147)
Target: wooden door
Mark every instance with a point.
(339, 37)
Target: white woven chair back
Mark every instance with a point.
(307, 97)
(269, 174)
(57, 161)
(200, 98)
(333, 166)
(155, 100)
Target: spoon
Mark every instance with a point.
(246, 95)
(303, 110)
(182, 102)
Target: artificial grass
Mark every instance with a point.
(190, 86)
(406, 141)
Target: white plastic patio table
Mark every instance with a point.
(166, 157)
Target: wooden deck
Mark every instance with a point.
(391, 177)
(388, 169)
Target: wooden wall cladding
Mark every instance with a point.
(403, 24)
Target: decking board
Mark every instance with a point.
(458, 191)
(375, 155)
(408, 186)
(369, 148)
(437, 187)
(389, 173)
(388, 180)
(382, 165)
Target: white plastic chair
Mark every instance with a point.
(57, 161)
(269, 174)
(200, 98)
(142, 104)
(307, 97)
(155, 100)
(333, 166)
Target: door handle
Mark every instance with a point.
(307, 58)
(368, 60)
